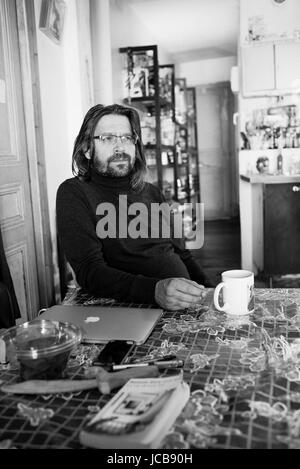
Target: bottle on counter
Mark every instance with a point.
(279, 163)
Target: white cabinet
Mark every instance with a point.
(287, 60)
(258, 68)
(269, 67)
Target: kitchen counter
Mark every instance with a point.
(270, 178)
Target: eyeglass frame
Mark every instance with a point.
(134, 138)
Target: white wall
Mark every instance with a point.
(203, 72)
(62, 106)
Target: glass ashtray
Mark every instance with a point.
(41, 347)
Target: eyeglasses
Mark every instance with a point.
(111, 139)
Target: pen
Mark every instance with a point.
(160, 364)
(157, 359)
(139, 362)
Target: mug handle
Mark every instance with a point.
(218, 288)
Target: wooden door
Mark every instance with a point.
(16, 217)
(215, 149)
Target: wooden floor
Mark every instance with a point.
(222, 251)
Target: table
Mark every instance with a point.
(244, 377)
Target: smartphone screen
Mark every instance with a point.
(113, 353)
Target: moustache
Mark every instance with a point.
(119, 157)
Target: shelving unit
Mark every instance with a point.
(187, 161)
(192, 146)
(181, 138)
(141, 90)
(168, 120)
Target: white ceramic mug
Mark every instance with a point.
(238, 294)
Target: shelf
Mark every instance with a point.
(138, 99)
(287, 40)
(270, 150)
(152, 146)
(181, 126)
(148, 101)
(153, 166)
(168, 147)
(165, 103)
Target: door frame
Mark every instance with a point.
(35, 148)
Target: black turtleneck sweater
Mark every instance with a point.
(123, 268)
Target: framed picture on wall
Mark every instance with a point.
(52, 19)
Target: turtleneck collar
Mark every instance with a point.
(121, 184)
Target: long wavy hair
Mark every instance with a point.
(81, 166)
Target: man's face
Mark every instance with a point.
(113, 158)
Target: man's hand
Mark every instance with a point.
(178, 293)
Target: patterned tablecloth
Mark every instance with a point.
(244, 376)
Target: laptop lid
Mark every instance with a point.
(101, 324)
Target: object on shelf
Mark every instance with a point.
(166, 79)
(167, 128)
(184, 157)
(272, 128)
(180, 101)
(262, 164)
(168, 191)
(138, 73)
(244, 142)
(256, 28)
(164, 158)
(150, 156)
(170, 154)
(191, 118)
(279, 163)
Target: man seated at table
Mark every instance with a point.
(108, 260)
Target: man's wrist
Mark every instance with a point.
(156, 290)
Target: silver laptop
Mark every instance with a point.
(101, 324)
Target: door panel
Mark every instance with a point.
(16, 218)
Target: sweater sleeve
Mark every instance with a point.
(83, 250)
(195, 271)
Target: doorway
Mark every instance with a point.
(217, 159)
(23, 198)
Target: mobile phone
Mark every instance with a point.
(113, 353)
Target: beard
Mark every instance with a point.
(117, 165)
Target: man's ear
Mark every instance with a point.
(87, 154)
